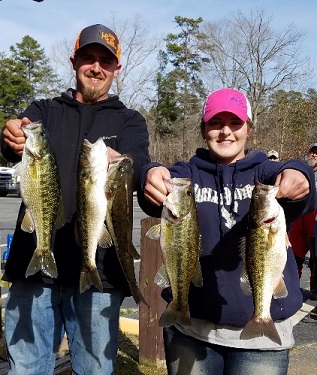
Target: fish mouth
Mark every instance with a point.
(171, 216)
(176, 219)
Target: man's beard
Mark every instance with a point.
(90, 94)
(311, 162)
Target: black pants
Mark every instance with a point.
(313, 266)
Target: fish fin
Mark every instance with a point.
(27, 224)
(137, 295)
(171, 316)
(76, 234)
(45, 263)
(258, 328)
(271, 238)
(4, 283)
(155, 232)
(161, 278)
(244, 278)
(242, 248)
(89, 278)
(110, 188)
(19, 169)
(60, 219)
(133, 252)
(198, 277)
(245, 282)
(280, 290)
(105, 238)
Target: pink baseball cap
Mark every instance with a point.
(227, 100)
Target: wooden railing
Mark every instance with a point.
(151, 348)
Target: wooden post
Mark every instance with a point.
(151, 348)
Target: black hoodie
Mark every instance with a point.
(68, 123)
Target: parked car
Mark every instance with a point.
(9, 180)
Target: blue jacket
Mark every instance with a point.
(223, 194)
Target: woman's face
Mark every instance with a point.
(226, 135)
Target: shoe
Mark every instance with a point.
(313, 296)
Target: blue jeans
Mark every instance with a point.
(37, 317)
(186, 355)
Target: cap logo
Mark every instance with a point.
(110, 39)
(238, 101)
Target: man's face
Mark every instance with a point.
(312, 157)
(95, 67)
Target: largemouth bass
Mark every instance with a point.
(92, 203)
(265, 258)
(120, 218)
(180, 243)
(42, 197)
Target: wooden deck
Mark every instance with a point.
(62, 366)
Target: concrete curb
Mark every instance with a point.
(130, 326)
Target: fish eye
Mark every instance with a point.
(189, 193)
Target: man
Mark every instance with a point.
(273, 155)
(40, 309)
(311, 159)
(302, 234)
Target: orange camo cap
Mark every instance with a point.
(99, 34)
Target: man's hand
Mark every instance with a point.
(14, 135)
(112, 153)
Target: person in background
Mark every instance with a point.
(311, 159)
(273, 155)
(302, 233)
(223, 176)
(40, 309)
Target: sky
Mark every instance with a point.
(52, 21)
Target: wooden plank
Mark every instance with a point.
(151, 348)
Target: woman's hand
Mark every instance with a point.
(155, 190)
(293, 184)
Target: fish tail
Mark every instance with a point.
(89, 278)
(171, 315)
(40, 262)
(260, 327)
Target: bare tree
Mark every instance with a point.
(60, 60)
(246, 53)
(139, 49)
